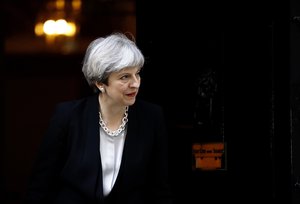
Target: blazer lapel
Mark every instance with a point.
(83, 168)
(92, 156)
(129, 146)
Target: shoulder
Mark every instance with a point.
(148, 115)
(67, 111)
(146, 105)
(66, 108)
(147, 109)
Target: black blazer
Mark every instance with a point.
(68, 168)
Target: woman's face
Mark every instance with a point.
(123, 86)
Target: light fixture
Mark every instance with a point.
(59, 18)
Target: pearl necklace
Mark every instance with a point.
(119, 130)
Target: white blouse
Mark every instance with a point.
(111, 149)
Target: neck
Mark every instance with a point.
(111, 115)
(116, 131)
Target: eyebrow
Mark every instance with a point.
(123, 71)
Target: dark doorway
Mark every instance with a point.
(247, 46)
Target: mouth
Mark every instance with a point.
(131, 94)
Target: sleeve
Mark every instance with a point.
(50, 160)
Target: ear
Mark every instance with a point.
(100, 86)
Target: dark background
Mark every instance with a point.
(248, 51)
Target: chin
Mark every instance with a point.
(130, 102)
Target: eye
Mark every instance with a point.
(126, 76)
(138, 73)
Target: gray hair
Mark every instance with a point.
(110, 54)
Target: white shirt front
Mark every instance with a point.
(111, 150)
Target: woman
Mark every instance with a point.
(109, 147)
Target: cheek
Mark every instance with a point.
(122, 87)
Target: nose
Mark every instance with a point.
(136, 81)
